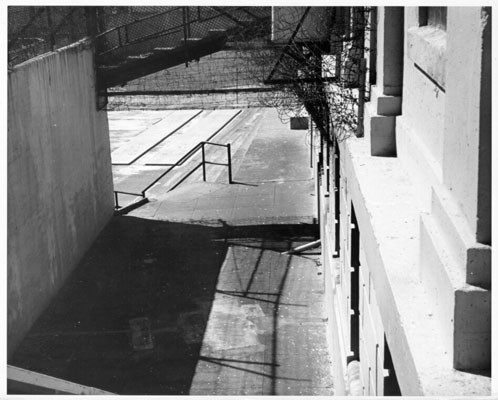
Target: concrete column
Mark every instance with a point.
(390, 50)
(467, 134)
(385, 103)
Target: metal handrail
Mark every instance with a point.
(178, 27)
(185, 157)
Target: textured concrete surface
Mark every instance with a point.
(150, 135)
(388, 218)
(202, 128)
(223, 310)
(59, 178)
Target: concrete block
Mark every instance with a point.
(472, 329)
(463, 311)
(385, 105)
(380, 130)
(478, 266)
(299, 122)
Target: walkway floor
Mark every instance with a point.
(192, 294)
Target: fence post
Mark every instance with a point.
(203, 163)
(229, 153)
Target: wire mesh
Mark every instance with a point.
(319, 76)
(34, 30)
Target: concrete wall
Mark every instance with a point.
(59, 178)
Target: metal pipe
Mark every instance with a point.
(229, 153)
(130, 193)
(304, 247)
(116, 206)
(203, 162)
(311, 144)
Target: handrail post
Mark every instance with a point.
(203, 163)
(229, 154)
(116, 200)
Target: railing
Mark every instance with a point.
(131, 34)
(189, 154)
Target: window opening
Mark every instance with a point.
(337, 201)
(355, 286)
(433, 16)
(391, 385)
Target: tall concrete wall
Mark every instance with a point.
(59, 178)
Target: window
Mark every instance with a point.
(433, 16)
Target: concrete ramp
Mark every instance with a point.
(204, 127)
(150, 137)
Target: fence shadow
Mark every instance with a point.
(163, 272)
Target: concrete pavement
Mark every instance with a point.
(221, 310)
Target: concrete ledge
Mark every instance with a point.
(20, 380)
(389, 217)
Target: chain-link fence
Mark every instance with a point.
(36, 30)
(325, 76)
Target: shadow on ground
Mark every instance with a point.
(165, 272)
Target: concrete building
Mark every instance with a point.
(405, 210)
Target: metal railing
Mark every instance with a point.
(189, 154)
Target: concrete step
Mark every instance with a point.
(463, 311)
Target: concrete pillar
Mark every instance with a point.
(467, 134)
(390, 50)
(385, 103)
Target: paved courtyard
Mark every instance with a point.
(192, 293)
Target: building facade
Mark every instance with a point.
(405, 210)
